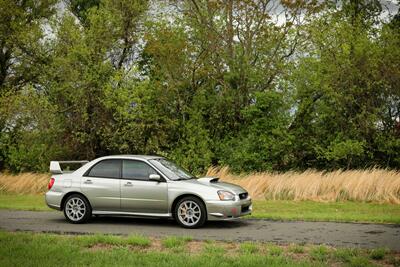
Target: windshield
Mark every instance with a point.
(172, 170)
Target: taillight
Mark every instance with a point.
(51, 182)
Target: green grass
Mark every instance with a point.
(249, 247)
(34, 249)
(175, 242)
(346, 254)
(211, 248)
(274, 250)
(23, 202)
(297, 249)
(27, 249)
(265, 209)
(330, 211)
(319, 253)
(360, 262)
(378, 254)
(133, 240)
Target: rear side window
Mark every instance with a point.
(138, 170)
(109, 168)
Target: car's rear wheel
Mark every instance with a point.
(77, 209)
(190, 212)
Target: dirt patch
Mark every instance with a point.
(231, 249)
(194, 247)
(155, 245)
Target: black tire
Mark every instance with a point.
(83, 202)
(202, 217)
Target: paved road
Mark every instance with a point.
(336, 234)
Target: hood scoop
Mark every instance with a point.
(207, 180)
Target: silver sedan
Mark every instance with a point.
(144, 186)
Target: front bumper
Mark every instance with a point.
(226, 210)
(53, 199)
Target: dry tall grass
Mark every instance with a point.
(375, 185)
(24, 183)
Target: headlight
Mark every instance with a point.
(226, 195)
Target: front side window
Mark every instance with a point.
(138, 170)
(109, 168)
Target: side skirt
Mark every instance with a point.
(124, 213)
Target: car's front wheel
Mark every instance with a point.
(190, 212)
(77, 209)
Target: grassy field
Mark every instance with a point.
(266, 209)
(22, 202)
(28, 249)
(370, 185)
(24, 183)
(348, 196)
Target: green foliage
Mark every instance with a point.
(194, 149)
(23, 49)
(378, 254)
(80, 8)
(30, 136)
(205, 84)
(259, 146)
(344, 152)
(344, 93)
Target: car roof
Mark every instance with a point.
(145, 157)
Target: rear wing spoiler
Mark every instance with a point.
(55, 167)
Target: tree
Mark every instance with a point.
(254, 84)
(23, 52)
(342, 90)
(81, 8)
(23, 56)
(265, 143)
(30, 136)
(89, 62)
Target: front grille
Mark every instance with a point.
(243, 195)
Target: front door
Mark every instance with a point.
(101, 185)
(138, 193)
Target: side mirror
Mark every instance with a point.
(155, 177)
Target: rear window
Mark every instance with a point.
(109, 168)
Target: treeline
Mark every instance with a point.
(253, 84)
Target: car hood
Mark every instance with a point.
(215, 183)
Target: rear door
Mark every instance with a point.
(138, 193)
(102, 186)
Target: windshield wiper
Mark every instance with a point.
(182, 178)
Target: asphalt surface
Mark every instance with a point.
(282, 232)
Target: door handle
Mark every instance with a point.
(128, 184)
(88, 182)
